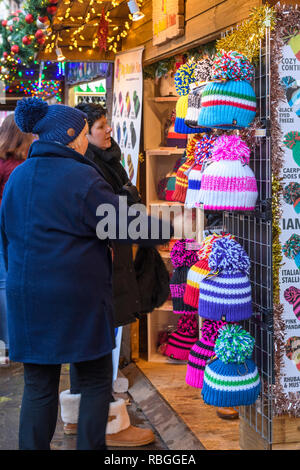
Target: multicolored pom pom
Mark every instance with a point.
(228, 256)
(291, 193)
(230, 147)
(203, 148)
(184, 77)
(291, 294)
(188, 323)
(232, 65)
(180, 256)
(210, 329)
(203, 70)
(291, 248)
(234, 344)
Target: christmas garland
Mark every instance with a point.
(22, 34)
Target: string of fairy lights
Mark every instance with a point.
(117, 32)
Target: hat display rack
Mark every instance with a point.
(217, 111)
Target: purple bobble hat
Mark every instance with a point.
(225, 294)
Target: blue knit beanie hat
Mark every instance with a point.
(55, 123)
(225, 293)
(231, 378)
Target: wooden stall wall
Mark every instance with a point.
(204, 21)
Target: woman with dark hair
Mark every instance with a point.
(14, 146)
(106, 154)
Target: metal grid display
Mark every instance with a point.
(254, 233)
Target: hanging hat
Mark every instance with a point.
(228, 183)
(292, 295)
(225, 294)
(292, 141)
(203, 74)
(182, 259)
(232, 378)
(54, 123)
(203, 149)
(171, 183)
(136, 103)
(183, 78)
(229, 102)
(181, 341)
(181, 176)
(174, 139)
(200, 270)
(291, 195)
(291, 249)
(202, 350)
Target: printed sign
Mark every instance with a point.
(167, 20)
(289, 119)
(127, 107)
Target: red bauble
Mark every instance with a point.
(51, 10)
(43, 19)
(39, 34)
(26, 40)
(15, 49)
(53, 2)
(11, 28)
(4, 23)
(41, 40)
(29, 18)
(5, 55)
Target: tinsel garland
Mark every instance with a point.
(287, 19)
(246, 39)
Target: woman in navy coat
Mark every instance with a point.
(59, 274)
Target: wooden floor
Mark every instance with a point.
(169, 379)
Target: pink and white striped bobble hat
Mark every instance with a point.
(228, 183)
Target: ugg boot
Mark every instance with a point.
(227, 413)
(120, 433)
(69, 408)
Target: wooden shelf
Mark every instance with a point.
(165, 99)
(165, 151)
(161, 202)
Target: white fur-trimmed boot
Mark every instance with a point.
(120, 433)
(69, 409)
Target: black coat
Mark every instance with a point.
(125, 289)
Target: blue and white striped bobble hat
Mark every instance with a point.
(225, 294)
(231, 378)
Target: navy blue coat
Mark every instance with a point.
(59, 274)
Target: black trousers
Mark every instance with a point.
(40, 404)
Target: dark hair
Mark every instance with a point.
(93, 111)
(13, 143)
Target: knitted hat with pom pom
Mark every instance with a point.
(228, 183)
(292, 141)
(292, 296)
(225, 294)
(181, 176)
(202, 152)
(291, 248)
(231, 379)
(202, 350)
(291, 195)
(183, 78)
(181, 341)
(200, 270)
(55, 123)
(182, 259)
(229, 102)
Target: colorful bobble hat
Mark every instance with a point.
(291, 195)
(174, 139)
(292, 295)
(183, 78)
(202, 152)
(200, 270)
(232, 378)
(181, 176)
(203, 74)
(202, 350)
(172, 179)
(182, 259)
(225, 294)
(292, 141)
(228, 183)
(291, 249)
(229, 102)
(185, 336)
